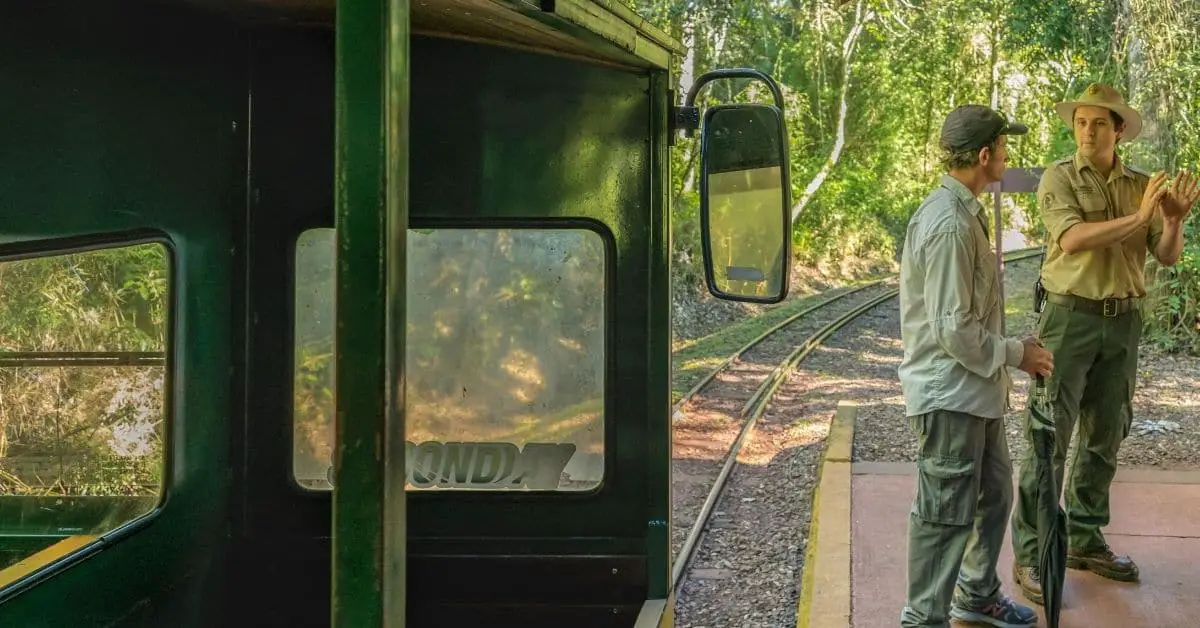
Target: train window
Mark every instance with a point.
(312, 384)
(82, 386)
(505, 359)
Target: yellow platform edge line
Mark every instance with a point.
(36, 561)
(825, 584)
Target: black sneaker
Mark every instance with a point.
(1002, 613)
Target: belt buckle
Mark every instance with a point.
(1110, 307)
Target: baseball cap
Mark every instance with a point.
(971, 127)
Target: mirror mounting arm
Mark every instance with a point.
(687, 115)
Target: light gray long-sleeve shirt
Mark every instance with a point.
(954, 355)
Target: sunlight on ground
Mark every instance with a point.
(876, 358)
(706, 364)
(801, 434)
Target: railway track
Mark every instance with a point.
(786, 345)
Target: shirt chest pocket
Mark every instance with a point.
(1092, 201)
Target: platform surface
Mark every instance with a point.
(1155, 520)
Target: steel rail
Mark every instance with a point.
(1014, 255)
(757, 405)
(763, 336)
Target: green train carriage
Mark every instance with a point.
(457, 212)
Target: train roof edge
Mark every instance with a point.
(604, 31)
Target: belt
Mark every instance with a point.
(1108, 308)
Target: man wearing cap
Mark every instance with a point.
(1101, 216)
(956, 385)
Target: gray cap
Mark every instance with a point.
(972, 127)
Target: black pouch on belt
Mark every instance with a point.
(1039, 297)
(1039, 291)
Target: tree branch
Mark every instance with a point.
(861, 19)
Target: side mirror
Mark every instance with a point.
(745, 208)
(745, 194)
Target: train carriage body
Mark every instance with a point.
(347, 315)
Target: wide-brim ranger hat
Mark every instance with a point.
(971, 127)
(1101, 95)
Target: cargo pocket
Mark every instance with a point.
(946, 490)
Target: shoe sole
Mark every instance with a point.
(979, 618)
(1098, 568)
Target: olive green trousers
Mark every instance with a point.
(959, 516)
(1095, 365)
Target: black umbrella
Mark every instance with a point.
(1051, 520)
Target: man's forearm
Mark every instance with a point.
(1170, 245)
(1085, 236)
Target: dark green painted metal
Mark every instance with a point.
(540, 141)
(395, 526)
(510, 123)
(280, 534)
(371, 146)
(658, 304)
(135, 117)
(125, 118)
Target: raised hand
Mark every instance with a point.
(1153, 196)
(1181, 196)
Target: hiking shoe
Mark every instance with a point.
(1002, 613)
(1030, 581)
(1103, 562)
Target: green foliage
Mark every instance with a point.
(83, 430)
(1172, 314)
(912, 64)
(1050, 28)
(1166, 64)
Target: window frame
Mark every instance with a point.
(23, 249)
(609, 246)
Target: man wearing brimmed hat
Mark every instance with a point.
(1101, 216)
(956, 386)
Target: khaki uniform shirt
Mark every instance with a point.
(954, 355)
(1072, 191)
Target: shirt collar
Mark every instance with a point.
(963, 193)
(1119, 168)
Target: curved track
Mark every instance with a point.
(758, 401)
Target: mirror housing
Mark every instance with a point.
(745, 194)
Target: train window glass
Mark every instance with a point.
(312, 383)
(82, 386)
(505, 359)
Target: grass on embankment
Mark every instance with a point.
(693, 359)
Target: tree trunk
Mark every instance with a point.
(861, 19)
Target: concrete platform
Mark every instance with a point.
(1154, 521)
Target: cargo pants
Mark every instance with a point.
(1095, 365)
(959, 516)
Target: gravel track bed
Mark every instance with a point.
(749, 562)
(748, 565)
(1166, 425)
(707, 425)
